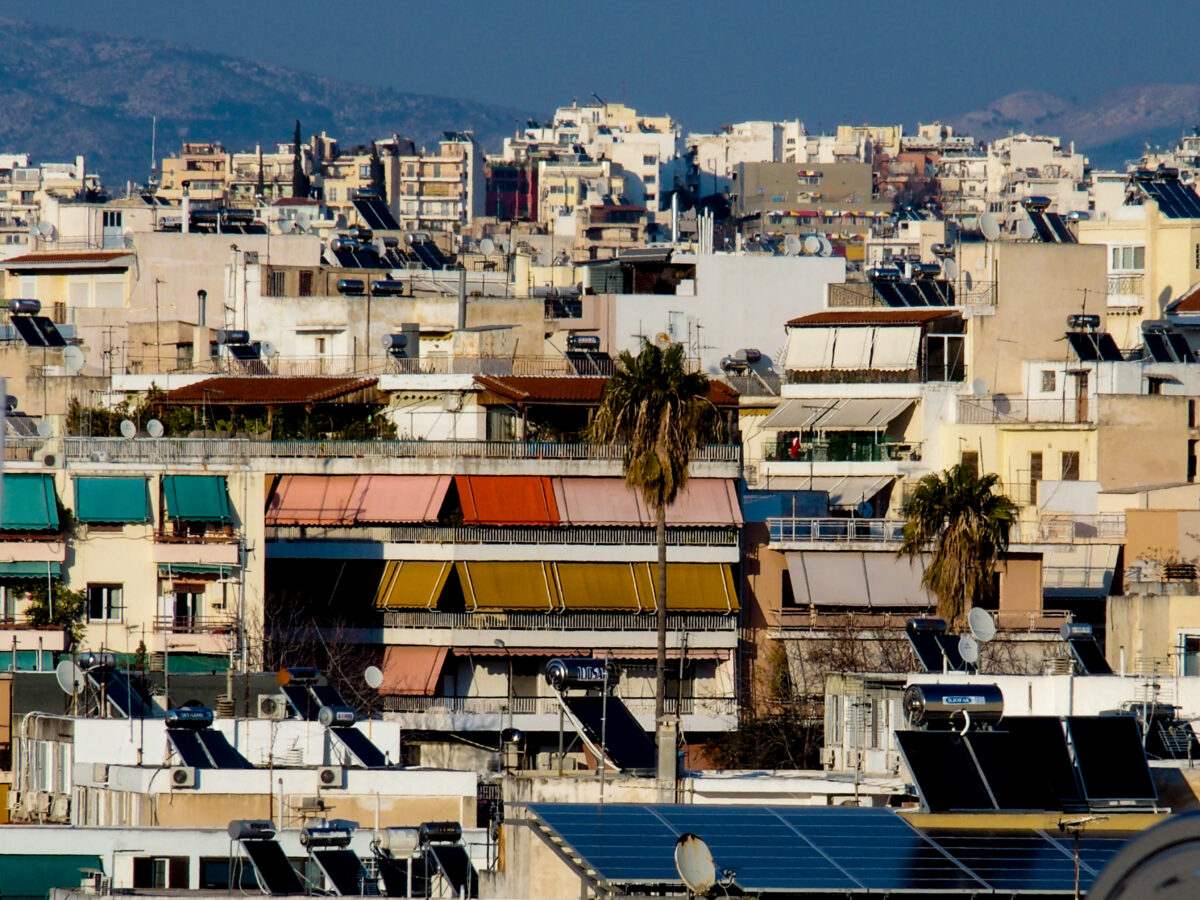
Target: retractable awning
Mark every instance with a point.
(412, 670)
(196, 498)
(507, 499)
(798, 414)
(610, 501)
(351, 499)
(112, 501)
(864, 414)
(411, 584)
(28, 503)
(601, 586)
(27, 570)
(509, 585)
(869, 579)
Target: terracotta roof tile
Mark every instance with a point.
(257, 390)
(582, 389)
(59, 259)
(873, 317)
(1189, 302)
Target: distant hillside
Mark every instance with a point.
(1110, 130)
(68, 93)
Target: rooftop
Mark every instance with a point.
(57, 259)
(259, 390)
(873, 317)
(574, 389)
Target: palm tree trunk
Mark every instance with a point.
(660, 665)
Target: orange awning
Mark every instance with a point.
(313, 500)
(412, 671)
(350, 499)
(507, 500)
(610, 501)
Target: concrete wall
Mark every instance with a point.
(1142, 439)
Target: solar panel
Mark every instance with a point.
(301, 701)
(944, 773)
(50, 334)
(346, 873)
(244, 351)
(364, 751)
(223, 754)
(928, 652)
(29, 334)
(1084, 345)
(1045, 233)
(1087, 654)
(1109, 352)
(1061, 231)
(120, 693)
(428, 253)
(948, 644)
(394, 873)
(275, 873)
(1029, 863)
(1181, 348)
(376, 214)
(187, 745)
(1053, 758)
(911, 294)
(1012, 770)
(1156, 343)
(327, 695)
(1111, 761)
(626, 742)
(931, 293)
(457, 869)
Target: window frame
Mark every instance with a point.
(106, 592)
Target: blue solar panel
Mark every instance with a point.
(301, 701)
(1181, 348)
(222, 752)
(187, 745)
(364, 751)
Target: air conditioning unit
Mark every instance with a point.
(183, 777)
(330, 776)
(49, 460)
(272, 706)
(100, 773)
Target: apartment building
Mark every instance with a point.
(26, 187)
(1025, 165)
(443, 191)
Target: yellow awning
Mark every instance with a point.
(693, 587)
(411, 585)
(502, 585)
(610, 586)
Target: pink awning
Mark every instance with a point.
(313, 500)
(401, 498)
(706, 501)
(412, 671)
(610, 501)
(349, 499)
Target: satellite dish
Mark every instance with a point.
(1025, 229)
(287, 226)
(812, 246)
(950, 267)
(979, 387)
(662, 339)
(73, 358)
(69, 677)
(694, 863)
(373, 677)
(128, 429)
(302, 223)
(44, 429)
(989, 226)
(47, 230)
(981, 624)
(487, 246)
(968, 649)
(792, 245)
(864, 510)
(826, 246)
(154, 428)
(267, 349)
(336, 244)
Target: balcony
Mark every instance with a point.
(842, 531)
(607, 536)
(194, 624)
(1125, 289)
(1013, 621)
(203, 550)
(1107, 528)
(549, 706)
(1018, 410)
(840, 450)
(559, 622)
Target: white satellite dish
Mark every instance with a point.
(1025, 229)
(826, 246)
(989, 226)
(154, 428)
(287, 226)
(302, 223)
(812, 246)
(47, 230)
(487, 246)
(72, 358)
(44, 429)
(968, 649)
(373, 677)
(694, 863)
(69, 677)
(979, 387)
(791, 245)
(267, 350)
(950, 268)
(128, 429)
(981, 624)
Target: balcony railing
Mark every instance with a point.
(544, 706)
(566, 621)
(840, 451)
(1126, 285)
(194, 624)
(1002, 409)
(1069, 529)
(377, 364)
(881, 531)
(608, 536)
(1011, 621)
(184, 450)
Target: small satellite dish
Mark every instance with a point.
(44, 429)
(128, 429)
(373, 677)
(694, 863)
(662, 339)
(989, 226)
(968, 649)
(826, 246)
(69, 677)
(267, 350)
(336, 244)
(72, 358)
(48, 231)
(981, 624)
(487, 246)
(864, 510)
(812, 246)
(791, 245)
(287, 226)
(154, 428)
(302, 223)
(979, 387)
(950, 267)
(1025, 229)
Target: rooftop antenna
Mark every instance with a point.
(153, 146)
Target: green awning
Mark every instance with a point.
(24, 571)
(112, 501)
(30, 876)
(167, 570)
(196, 498)
(28, 503)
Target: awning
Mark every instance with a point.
(26, 571)
(28, 503)
(798, 414)
(507, 500)
(845, 491)
(1083, 570)
(896, 348)
(541, 652)
(852, 348)
(864, 414)
(868, 579)
(112, 500)
(693, 587)
(172, 570)
(401, 498)
(607, 586)
(809, 348)
(610, 501)
(704, 501)
(196, 498)
(411, 584)
(412, 671)
(351, 499)
(509, 585)
(31, 876)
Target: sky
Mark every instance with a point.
(705, 63)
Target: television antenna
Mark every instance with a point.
(694, 863)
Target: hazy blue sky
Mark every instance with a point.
(704, 62)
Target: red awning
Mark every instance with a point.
(350, 499)
(412, 671)
(507, 500)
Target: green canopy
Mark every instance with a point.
(196, 498)
(30, 876)
(28, 503)
(112, 500)
(167, 570)
(24, 571)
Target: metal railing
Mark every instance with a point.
(377, 364)
(1002, 409)
(858, 294)
(866, 451)
(1126, 285)
(180, 450)
(1012, 621)
(1069, 529)
(544, 706)
(600, 535)
(194, 624)
(883, 531)
(564, 621)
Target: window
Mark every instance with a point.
(1189, 654)
(970, 459)
(1070, 465)
(1035, 473)
(306, 284)
(364, 171)
(275, 284)
(1049, 382)
(1129, 258)
(104, 602)
(160, 872)
(1191, 461)
(1196, 264)
(331, 194)
(1154, 385)
(649, 180)
(788, 600)
(319, 345)
(183, 355)
(8, 603)
(111, 219)
(186, 605)
(649, 160)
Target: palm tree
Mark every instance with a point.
(659, 411)
(965, 522)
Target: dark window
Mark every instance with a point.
(306, 284)
(104, 602)
(1191, 461)
(1154, 385)
(1048, 381)
(1070, 465)
(1035, 473)
(788, 600)
(275, 286)
(162, 872)
(970, 459)
(1191, 414)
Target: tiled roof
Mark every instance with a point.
(873, 317)
(64, 259)
(585, 389)
(258, 390)
(1189, 302)
(296, 201)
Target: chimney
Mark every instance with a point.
(185, 210)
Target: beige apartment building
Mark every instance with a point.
(442, 192)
